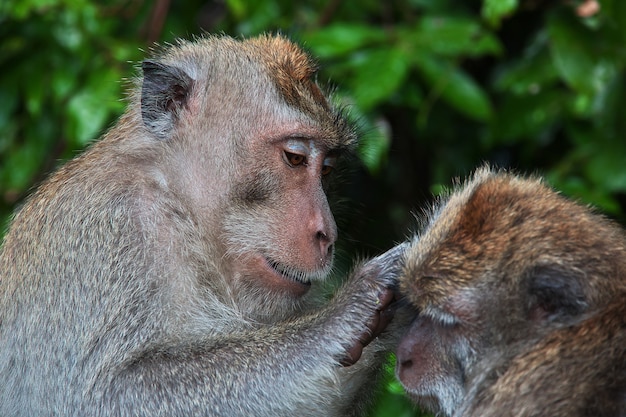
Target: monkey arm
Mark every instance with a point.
(270, 370)
(249, 375)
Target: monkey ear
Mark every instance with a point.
(555, 295)
(164, 93)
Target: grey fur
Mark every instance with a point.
(114, 296)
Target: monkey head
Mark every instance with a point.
(255, 188)
(502, 259)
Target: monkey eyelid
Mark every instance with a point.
(297, 144)
(310, 145)
(330, 160)
(439, 316)
(328, 164)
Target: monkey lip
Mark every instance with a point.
(288, 273)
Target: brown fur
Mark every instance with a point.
(292, 71)
(577, 371)
(505, 269)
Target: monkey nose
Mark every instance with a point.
(326, 245)
(404, 356)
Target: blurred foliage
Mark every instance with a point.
(436, 86)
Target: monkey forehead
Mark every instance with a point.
(498, 221)
(471, 227)
(292, 72)
(286, 124)
(445, 216)
(257, 69)
(291, 69)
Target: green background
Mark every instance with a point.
(436, 87)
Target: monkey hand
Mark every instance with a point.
(382, 272)
(380, 318)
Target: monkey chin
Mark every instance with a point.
(430, 403)
(437, 404)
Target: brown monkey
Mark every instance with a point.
(520, 297)
(174, 268)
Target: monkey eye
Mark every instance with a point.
(294, 159)
(329, 165)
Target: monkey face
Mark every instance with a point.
(440, 345)
(281, 229)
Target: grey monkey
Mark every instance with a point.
(174, 268)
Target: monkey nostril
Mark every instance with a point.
(407, 363)
(325, 244)
(329, 250)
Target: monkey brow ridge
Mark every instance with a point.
(292, 71)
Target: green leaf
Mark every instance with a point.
(493, 11)
(341, 38)
(456, 87)
(8, 103)
(373, 149)
(259, 16)
(573, 51)
(63, 81)
(22, 9)
(577, 187)
(374, 145)
(35, 92)
(606, 166)
(392, 400)
(608, 108)
(26, 159)
(453, 36)
(528, 117)
(91, 107)
(86, 116)
(615, 13)
(379, 73)
(237, 8)
(530, 73)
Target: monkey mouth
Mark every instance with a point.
(289, 273)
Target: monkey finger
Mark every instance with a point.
(384, 318)
(371, 330)
(384, 299)
(353, 354)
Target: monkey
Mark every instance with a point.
(519, 298)
(176, 267)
